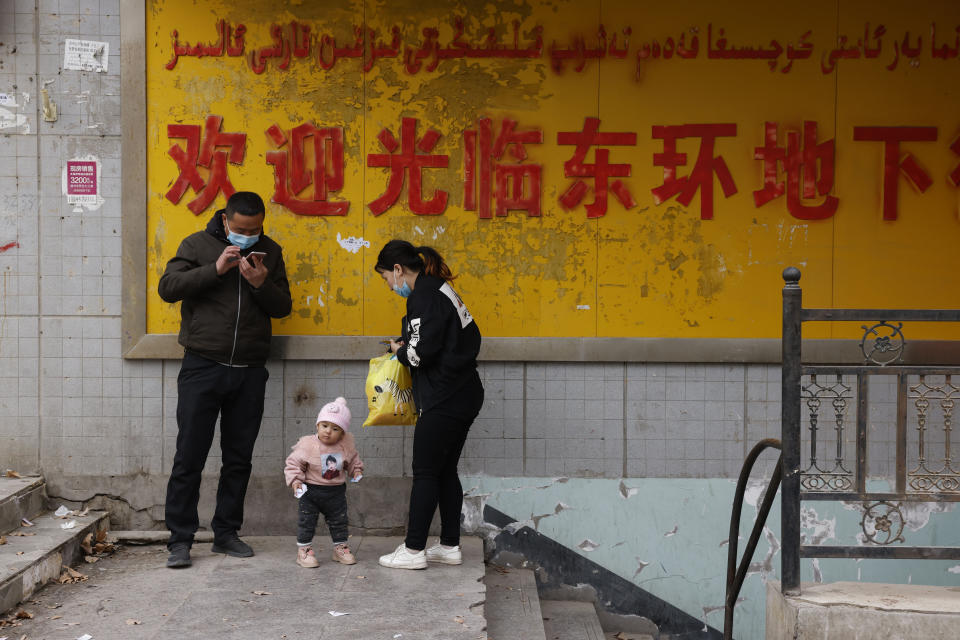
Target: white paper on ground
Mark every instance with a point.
(69, 524)
(61, 511)
(338, 613)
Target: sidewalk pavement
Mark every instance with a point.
(132, 595)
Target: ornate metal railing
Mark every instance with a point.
(817, 462)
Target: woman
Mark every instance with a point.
(439, 343)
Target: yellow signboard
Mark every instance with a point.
(592, 170)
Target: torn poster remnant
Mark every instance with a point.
(85, 55)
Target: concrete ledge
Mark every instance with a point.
(550, 349)
(19, 498)
(155, 537)
(29, 562)
(863, 611)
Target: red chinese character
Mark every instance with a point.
(893, 165)
(601, 171)
(204, 155)
(702, 175)
(793, 160)
(955, 174)
(290, 168)
(408, 161)
(501, 173)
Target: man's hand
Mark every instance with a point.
(255, 273)
(228, 259)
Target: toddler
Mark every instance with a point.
(317, 470)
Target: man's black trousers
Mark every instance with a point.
(205, 390)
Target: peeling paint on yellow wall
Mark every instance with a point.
(649, 270)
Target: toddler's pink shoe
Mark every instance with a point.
(306, 558)
(341, 554)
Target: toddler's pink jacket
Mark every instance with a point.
(306, 462)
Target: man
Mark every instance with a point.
(232, 281)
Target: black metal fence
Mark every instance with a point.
(825, 451)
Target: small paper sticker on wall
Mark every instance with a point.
(81, 183)
(8, 100)
(85, 55)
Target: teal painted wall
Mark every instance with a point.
(668, 536)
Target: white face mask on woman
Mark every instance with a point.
(404, 291)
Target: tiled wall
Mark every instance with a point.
(70, 405)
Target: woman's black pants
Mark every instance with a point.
(437, 442)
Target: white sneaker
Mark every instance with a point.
(401, 558)
(444, 555)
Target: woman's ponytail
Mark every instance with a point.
(433, 264)
(425, 259)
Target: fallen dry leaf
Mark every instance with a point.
(261, 593)
(458, 619)
(12, 474)
(70, 576)
(19, 553)
(361, 577)
(86, 545)
(131, 621)
(3, 540)
(55, 617)
(90, 559)
(23, 614)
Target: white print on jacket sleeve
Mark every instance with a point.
(465, 317)
(414, 341)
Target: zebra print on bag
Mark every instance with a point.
(401, 397)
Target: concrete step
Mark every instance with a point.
(570, 620)
(29, 561)
(20, 498)
(264, 597)
(512, 606)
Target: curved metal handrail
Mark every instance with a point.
(736, 574)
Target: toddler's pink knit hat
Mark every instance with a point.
(336, 412)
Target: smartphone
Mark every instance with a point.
(250, 255)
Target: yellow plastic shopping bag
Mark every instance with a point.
(389, 392)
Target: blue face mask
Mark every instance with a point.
(240, 240)
(404, 291)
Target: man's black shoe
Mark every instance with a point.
(179, 555)
(232, 547)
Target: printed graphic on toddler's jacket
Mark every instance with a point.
(332, 464)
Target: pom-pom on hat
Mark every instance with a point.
(336, 412)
